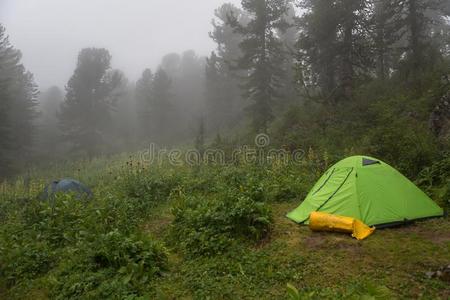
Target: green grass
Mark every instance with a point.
(391, 263)
(126, 241)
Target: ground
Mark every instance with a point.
(392, 263)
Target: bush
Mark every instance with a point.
(400, 137)
(146, 187)
(436, 179)
(211, 226)
(111, 265)
(78, 249)
(25, 259)
(276, 182)
(30, 241)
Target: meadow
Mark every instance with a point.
(203, 232)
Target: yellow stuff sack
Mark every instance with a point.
(319, 221)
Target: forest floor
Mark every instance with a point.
(391, 263)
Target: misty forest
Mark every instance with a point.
(243, 133)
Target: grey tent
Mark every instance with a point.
(66, 185)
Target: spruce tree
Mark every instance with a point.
(317, 45)
(9, 57)
(289, 38)
(218, 103)
(49, 140)
(143, 94)
(262, 57)
(200, 137)
(419, 23)
(335, 45)
(383, 38)
(355, 43)
(86, 112)
(18, 94)
(160, 108)
(225, 64)
(226, 37)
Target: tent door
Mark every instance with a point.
(337, 189)
(334, 183)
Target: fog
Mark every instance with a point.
(83, 79)
(137, 33)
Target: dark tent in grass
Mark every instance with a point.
(66, 185)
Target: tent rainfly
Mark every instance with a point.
(369, 190)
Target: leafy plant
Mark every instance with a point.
(109, 265)
(146, 187)
(208, 226)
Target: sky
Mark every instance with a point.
(138, 33)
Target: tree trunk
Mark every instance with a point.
(414, 28)
(380, 40)
(347, 67)
(439, 122)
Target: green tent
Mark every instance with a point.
(367, 189)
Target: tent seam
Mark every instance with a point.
(357, 194)
(332, 195)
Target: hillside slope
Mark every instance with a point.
(170, 232)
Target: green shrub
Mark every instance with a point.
(402, 141)
(25, 259)
(268, 183)
(437, 173)
(85, 243)
(290, 182)
(58, 222)
(208, 226)
(435, 179)
(147, 187)
(110, 265)
(30, 241)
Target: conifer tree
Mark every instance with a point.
(355, 43)
(335, 45)
(218, 105)
(223, 33)
(262, 57)
(317, 45)
(418, 23)
(18, 94)
(161, 107)
(86, 112)
(200, 138)
(144, 99)
(49, 140)
(288, 39)
(225, 62)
